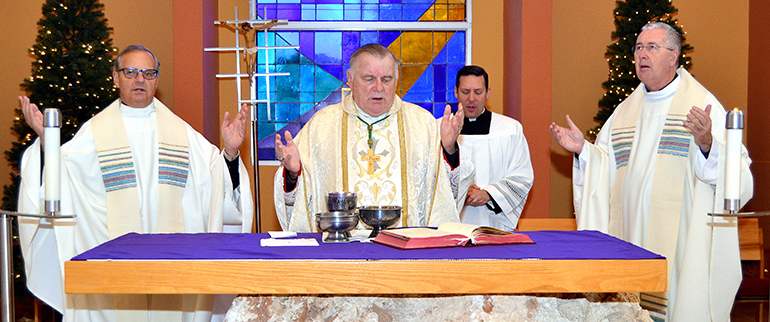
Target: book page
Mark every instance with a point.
(470, 230)
(458, 228)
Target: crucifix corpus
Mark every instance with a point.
(249, 33)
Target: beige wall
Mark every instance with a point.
(19, 31)
(718, 30)
(488, 46)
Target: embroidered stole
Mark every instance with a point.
(119, 173)
(671, 167)
(344, 148)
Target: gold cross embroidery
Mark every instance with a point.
(370, 158)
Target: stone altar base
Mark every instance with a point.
(543, 307)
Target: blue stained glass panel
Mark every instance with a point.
(456, 48)
(265, 129)
(307, 81)
(262, 112)
(352, 12)
(451, 72)
(318, 68)
(287, 56)
(369, 37)
(328, 47)
(307, 44)
(350, 42)
(371, 12)
(286, 112)
(324, 84)
(287, 87)
(305, 107)
(287, 38)
(266, 153)
(292, 12)
(413, 12)
(334, 70)
(329, 12)
(386, 38)
(439, 78)
(439, 96)
(438, 109)
(308, 12)
(390, 12)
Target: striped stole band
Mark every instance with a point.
(117, 169)
(675, 139)
(173, 164)
(621, 144)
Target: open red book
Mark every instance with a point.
(449, 235)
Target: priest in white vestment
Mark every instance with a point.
(134, 167)
(654, 174)
(498, 149)
(387, 151)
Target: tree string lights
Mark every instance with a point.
(630, 17)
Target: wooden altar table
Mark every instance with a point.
(237, 264)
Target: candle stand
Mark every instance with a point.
(6, 260)
(734, 125)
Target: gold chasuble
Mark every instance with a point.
(395, 159)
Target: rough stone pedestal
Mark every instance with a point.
(546, 308)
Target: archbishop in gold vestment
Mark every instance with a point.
(406, 166)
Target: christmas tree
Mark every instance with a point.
(72, 71)
(630, 17)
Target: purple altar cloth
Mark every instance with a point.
(584, 244)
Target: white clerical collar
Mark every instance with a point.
(482, 112)
(664, 93)
(129, 111)
(368, 118)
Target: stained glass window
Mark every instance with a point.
(429, 57)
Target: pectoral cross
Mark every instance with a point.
(370, 158)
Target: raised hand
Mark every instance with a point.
(569, 138)
(699, 123)
(234, 132)
(288, 154)
(451, 125)
(33, 117)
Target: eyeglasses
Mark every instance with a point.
(651, 48)
(131, 73)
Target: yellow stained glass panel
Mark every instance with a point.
(456, 12)
(416, 47)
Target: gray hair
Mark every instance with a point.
(376, 50)
(134, 48)
(673, 39)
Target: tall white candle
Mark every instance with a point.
(52, 144)
(734, 127)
